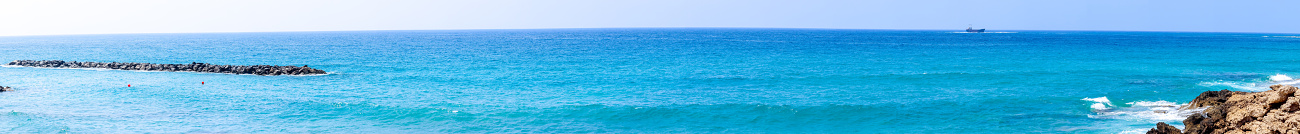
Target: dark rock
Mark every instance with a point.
(192, 67)
(1211, 98)
(1205, 122)
(1162, 128)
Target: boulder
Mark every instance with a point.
(1162, 128)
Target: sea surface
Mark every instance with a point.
(638, 80)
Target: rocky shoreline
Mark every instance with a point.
(1276, 111)
(192, 67)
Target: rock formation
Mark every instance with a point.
(1275, 111)
(1162, 128)
(192, 67)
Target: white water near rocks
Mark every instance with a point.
(1140, 110)
(1253, 85)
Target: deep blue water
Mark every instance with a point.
(636, 81)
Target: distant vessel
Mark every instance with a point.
(972, 29)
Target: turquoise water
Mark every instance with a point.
(636, 81)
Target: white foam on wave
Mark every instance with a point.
(1153, 104)
(1282, 79)
(1140, 110)
(1100, 103)
(1256, 85)
(1279, 77)
(1248, 86)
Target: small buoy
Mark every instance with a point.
(128, 85)
(203, 83)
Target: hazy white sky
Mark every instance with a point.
(46, 17)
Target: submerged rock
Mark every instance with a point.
(192, 67)
(1272, 111)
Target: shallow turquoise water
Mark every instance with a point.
(635, 81)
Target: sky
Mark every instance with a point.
(59, 17)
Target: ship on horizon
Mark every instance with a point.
(972, 29)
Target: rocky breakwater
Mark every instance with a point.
(192, 67)
(1276, 111)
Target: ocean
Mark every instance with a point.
(638, 80)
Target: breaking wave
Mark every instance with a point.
(1102, 108)
(1255, 85)
(1135, 117)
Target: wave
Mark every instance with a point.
(1134, 118)
(1247, 86)
(1284, 36)
(1140, 110)
(1138, 115)
(1279, 77)
(1101, 103)
(1256, 85)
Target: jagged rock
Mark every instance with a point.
(1162, 128)
(1199, 123)
(192, 67)
(1211, 98)
(1272, 111)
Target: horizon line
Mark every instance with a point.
(295, 31)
